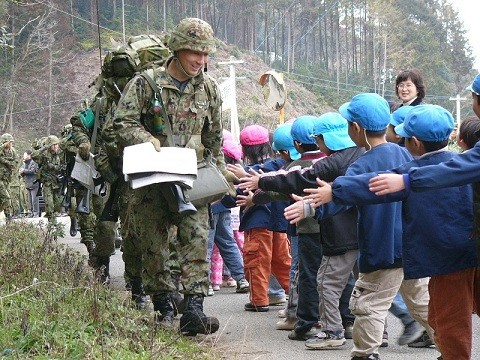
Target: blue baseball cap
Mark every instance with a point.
(427, 123)
(282, 140)
(302, 129)
(398, 116)
(475, 85)
(369, 110)
(334, 130)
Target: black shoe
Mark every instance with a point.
(250, 307)
(422, 342)
(384, 340)
(194, 321)
(369, 357)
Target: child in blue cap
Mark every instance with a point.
(338, 233)
(379, 229)
(462, 285)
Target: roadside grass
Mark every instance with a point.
(51, 307)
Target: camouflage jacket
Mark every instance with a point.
(51, 167)
(8, 164)
(195, 111)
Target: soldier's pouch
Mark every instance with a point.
(210, 184)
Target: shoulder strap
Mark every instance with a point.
(158, 95)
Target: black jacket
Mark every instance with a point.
(338, 233)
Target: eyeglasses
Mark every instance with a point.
(405, 85)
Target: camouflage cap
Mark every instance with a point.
(52, 140)
(192, 34)
(5, 138)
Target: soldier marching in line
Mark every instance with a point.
(98, 236)
(192, 102)
(51, 173)
(8, 167)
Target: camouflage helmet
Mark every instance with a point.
(5, 138)
(52, 140)
(192, 34)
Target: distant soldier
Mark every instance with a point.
(51, 174)
(8, 167)
(28, 171)
(192, 102)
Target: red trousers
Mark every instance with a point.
(265, 252)
(453, 296)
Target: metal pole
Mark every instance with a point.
(123, 20)
(457, 99)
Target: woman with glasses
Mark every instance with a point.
(409, 87)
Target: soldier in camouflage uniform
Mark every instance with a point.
(192, 102)
(69, 150)
(8, 168)
(51, 174)
(101, 234)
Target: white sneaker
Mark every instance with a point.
(210, 291)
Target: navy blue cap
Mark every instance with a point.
(475, 85)
(398, 116)
(282, 140)
(302, 129)
(427, 123)
(334, 130)
(369, 110)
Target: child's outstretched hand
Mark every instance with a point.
(245, 201)
(320, 195)
(250, 182)
(295, 212)
(386, 184)
(237, 169)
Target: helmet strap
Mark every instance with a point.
(179, 66)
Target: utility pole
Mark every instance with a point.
(123, 20)
(232, 96)
(457, 99)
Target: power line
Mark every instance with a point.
(76, 17)
(45, 107)
(278, 23)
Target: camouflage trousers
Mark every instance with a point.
(164, 241)
(5, 200)
(53, 200)
(102, 233)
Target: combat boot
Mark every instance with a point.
(73, 226)
(102, 268)
(138, 295)
(194, 321)
(177, 302)
(163, 309)
(90, 245)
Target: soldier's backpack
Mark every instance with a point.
(120, 65)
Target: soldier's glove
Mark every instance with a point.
(156, 143)
(231, 177)
(84, 151)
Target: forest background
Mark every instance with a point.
(328, 51)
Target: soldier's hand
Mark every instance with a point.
(156, 143)
(84, 151)
(231, 177)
